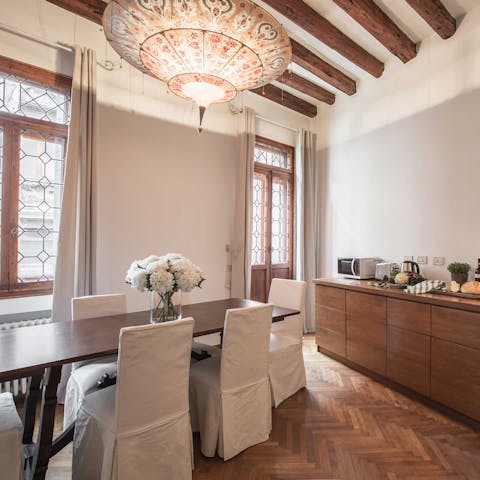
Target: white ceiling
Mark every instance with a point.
(398, 10)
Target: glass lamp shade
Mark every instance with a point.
(205, 50)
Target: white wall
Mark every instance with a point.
(401, 158)
(162, 187)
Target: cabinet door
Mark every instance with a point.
(408, 359)
(456, 326)
(330, 297)
(330, 332)
(366, 330)
(409, 315)
(456, 377)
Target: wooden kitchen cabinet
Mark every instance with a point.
(330, 319)
(409, 315)
(429, 343)
(456, 376)
(366, 330)
(408, 359)
(457, 326)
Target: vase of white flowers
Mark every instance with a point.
(163, 276)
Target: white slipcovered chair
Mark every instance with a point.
(11, 430)
(139, 429)
(286, 365)
(230, 400)
(85, 374)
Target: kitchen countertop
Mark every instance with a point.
(363, 286)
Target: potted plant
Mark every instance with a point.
(459, 272)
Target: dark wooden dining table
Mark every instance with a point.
(39, 352)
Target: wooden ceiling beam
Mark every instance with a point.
(286, 99)
(307, 87)
(309, 61)
(373, 19)
(436, 15)
(312, 22)
(89, 9)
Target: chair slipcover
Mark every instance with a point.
(85, 374)
(11, 430)
(139, 429)
(286, 365)
(230, 400)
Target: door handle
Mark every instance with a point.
(14, 232)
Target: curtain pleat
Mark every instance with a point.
(307, 222)
(75, 267)
(242, 234)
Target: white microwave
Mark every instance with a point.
(358, 268)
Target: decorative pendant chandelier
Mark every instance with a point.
(205, 50)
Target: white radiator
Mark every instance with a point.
(19, 387)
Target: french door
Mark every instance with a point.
(272, 219)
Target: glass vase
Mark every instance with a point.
(162, 308)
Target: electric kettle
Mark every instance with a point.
(410, 267)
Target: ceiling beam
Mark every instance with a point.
(436, 15)
(309, 61)
(307, 87)
(286, 99)
(311, 21)
(89, 9)
(373, 19)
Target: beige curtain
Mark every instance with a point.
(75, 268)
(307, 211)
(242, 235)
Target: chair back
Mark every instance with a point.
(153, 373)
(289, 294)
(98, 306)
(246, 340)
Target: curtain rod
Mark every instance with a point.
(296, 130)
(29, 36)
(107, 64)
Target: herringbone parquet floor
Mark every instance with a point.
(345, 426)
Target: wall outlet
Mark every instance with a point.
(408, 258)
(422, 259)
(438, 261)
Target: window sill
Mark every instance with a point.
(27, 291)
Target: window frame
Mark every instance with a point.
(289, 174)
(12, 126)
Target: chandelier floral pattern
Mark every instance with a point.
(205, 50)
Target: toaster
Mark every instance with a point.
(383, 270)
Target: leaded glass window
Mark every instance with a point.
(40, 196)
(34, 117)
(24, 97)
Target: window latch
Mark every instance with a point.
(14, 232)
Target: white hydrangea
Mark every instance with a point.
(133, 269)
(147, 260)
(139, 280)
(167, 274)
(162, 281)
(187, 275)
(157, 265)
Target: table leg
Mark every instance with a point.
(43, 447)
(30, 407)
(29, 414)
